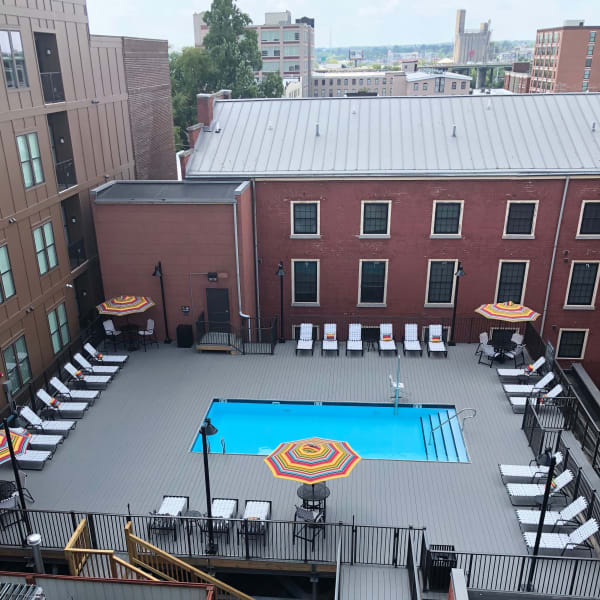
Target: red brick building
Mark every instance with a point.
(518, 83)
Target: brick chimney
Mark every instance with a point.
(205, 104)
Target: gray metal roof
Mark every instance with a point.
(533, 134)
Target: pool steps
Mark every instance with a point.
(440, 433)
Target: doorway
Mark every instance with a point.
(217, 308)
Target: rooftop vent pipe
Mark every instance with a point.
(593, 125)
(317, 130)
(453, 130)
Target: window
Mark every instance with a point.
(415, 86)
(520, 218)
(463, 85)
(16, 361)
(584, 86)
(368, 82)
(271, 66)
(590, 50)
(424, 86)
(316, 93)
(592, 36)
(447, 218)
(339, 82)
(291, 36)
(345, 82)
(439, 84)
(7, 285)
(586, 74)
(583, 282)
(59, 328)
(13, 59)
(354, 82)
(511, 281)
(375, 218)
(45, 249)
(292, 51)
(29, 156)
(305, 218)
(360, 82)
(322, 93)
(589, 220)
(440, 282)
(305, 281)
(338, 92)
(291, 67)
(269, 36)
(571, 343)
(372, 282)
(588, 62)
(454, 85)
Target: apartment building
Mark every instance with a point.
(471, 45)
(566, 59)
(517, 83)
(75, 111)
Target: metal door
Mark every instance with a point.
(217, 307)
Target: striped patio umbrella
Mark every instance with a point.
(312, 460)
(20, 441)
(507, 311)
(125, 305)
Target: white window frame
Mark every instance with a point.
(525, 276)
(447, 236)
(385, 283)
(441, 304)
(381, 236)
(293, 283)
(585, 236)
(305, 236)
(583, 347)
(520, 236)
(591, 306)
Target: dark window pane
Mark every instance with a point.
(520, 218)
(571, 344)
(441, 274)
(590, 222)
(305, 218)
(583, 280)
(305, 281)
(510, 286)
(447, 217)
(375, 218)
(372, 287)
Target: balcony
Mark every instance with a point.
(65, 174)
(77, 254)
(49, 64)
(62, 151)
(52, 87)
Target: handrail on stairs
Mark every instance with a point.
(472, 415)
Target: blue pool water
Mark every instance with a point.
(255, 427)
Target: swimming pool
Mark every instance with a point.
(258, 427)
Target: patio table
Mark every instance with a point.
(130, 336)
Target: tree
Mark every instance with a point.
(232, 48)
(271, 86)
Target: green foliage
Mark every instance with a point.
(271, 86)
(376, 66)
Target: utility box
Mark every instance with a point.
(442, 559)
(185, 336)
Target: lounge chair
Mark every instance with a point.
(68, 395)
(355, 343)
(410, 341)
(49, 427)
(148, 335)
(40, 442)
(527, 389)
(255, 520)
(305, 342)
(111, 332)
(435, 342)
(518, 403)
(33, 459)
(483, 339)
(562, 542)
(69, 410)
(386, 341)
(530, 494)
(223, 511)
(396, 385)
(163, 520)
(330, 343)
(488, 354)
(100, 357)
(92, 381)
(90, 369)
(530, 519)
(524, 372)
(530, 473)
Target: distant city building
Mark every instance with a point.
(471, 45)
(292, 88)
(563, 59)
(200, 29)
(518, 83)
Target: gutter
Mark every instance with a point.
(237, 266)
(255, 233)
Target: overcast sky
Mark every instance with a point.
(348, 22)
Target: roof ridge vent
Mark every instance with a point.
(453, 130)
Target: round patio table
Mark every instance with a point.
(314, 497)
(7, 488)
(130, 335)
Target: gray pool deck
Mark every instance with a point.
(133, 446)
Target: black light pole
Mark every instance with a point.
(280, 273)
(158, 273)
(459, 273)
(208, 429)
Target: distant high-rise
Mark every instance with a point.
(200, 29)
(471, 45)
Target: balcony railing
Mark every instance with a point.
(77, 254)
(65, 174)
(52, 87)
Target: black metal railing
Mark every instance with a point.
(413, 571)
(77, 254)
(65, 174)
(52, 87)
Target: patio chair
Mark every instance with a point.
(530, 519)
(68, 395)
(111, 332)
(148, 335)
(100, 357)
(435, 343)
(255, 520)
(396, 384)
(386, 341)
(33, 459)
(308, 525)
(483, 339)
(93, 381)
(538, 387)
(488, 354)
(529, 473)
(524, 372)
(530, 494)
(518, 403)
(164, 520)
(410, 341)
(562, 542)
(517, 339)
(90, 369)
(34, 423)
(330, 342)
(305, 342)
(40, 442)
(517, 355)
(355, 343)
(223, 511)
(69, 410)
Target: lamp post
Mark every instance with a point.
(280, 273)
(459, 273)
(207, 429)
(158, 273)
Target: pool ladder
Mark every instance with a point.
(222, 446)
(471, 415)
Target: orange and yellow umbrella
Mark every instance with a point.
(312, 460)
(507, 311)
(20, 441)
(125, 305)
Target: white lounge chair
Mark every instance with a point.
(223, 511)
(386, 339)
(354, 343)
(562, 542)
(111, 332)
(68, 395)
(163, 521)
(49, 427)
(518, 402)
(305, 342)
(91, 369)
(33, 459)
(100, 357)
(330, 343)
(530, 494)
(40, 442)
(524, 372)
(410, 341)
(92, 381)
(72, 410)
(530, 519)
(529, 473)
(256, 515)
(435, 343)
(511, 389)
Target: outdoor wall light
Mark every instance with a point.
(212, 276)
(185, 310)
(48, 52)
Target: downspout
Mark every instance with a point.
(256, 285)
(237, 267)
(556, 236)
